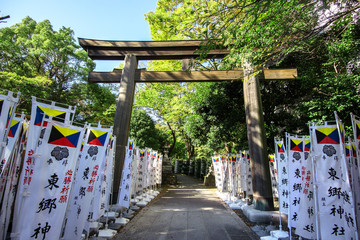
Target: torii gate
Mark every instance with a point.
(132, 51)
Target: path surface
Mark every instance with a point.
(188, 211)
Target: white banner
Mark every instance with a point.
(40, 114)
(238, 174)
(306, 225)
(244, 168)
(92, 156)
(217, 172)
(249, 176)
(110, 173)
(148, 168)
(153, 167)
(100, 193)
(7, 109)
(355, 170)
(333, 199)
(125, 187)
(349, 206)
(233, 174)
(43, 209)
(283, 176)
(12, 174)
(273, 175)
(295, 156)
(134, 171)
(8, 151)
(141, 171)
(225, 173)
(159, 169)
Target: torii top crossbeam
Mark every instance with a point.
(148, 50)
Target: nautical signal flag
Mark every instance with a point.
(272, 158)
(97, 137)
(307, 146)
(233, 158)
(222, 158)
(64, 136)
(216, 159)
(357, 126)
(148, 152)
(353, 150)
(296, 145)
(342, 132)
(1, 104)
(281, 148)
(131, 145)
(243, 154)
(142, 153)
(347, 151)
(44, 111)
(13, 127)
(327, 136)
(9, 115)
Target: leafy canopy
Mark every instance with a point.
(39, 61)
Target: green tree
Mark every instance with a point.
(144, 131)
(219, 119)
(169, 103)
(322, 44)
(39, 61)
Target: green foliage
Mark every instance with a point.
(28, 87)
(219, 121)
(144, 131)
(94, 102)
(323, 45)
(48, 64)
(31, 49)
(169, 103)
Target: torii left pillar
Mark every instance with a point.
(122, 119)
(263, 198)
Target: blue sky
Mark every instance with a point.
(94, 19)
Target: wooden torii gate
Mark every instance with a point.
(133, 51)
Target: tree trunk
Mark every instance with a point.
(174, 139)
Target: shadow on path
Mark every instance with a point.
(188, 211)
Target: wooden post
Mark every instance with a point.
(263, 199)
(122, 118)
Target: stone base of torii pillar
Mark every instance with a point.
(168, 177)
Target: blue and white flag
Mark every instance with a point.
(7, 109)
(41, 113)
(295, 155)
(10, 176)
(306, 225)
(333, 195)
(125, 186)
(87, 178)
(43, 209)
(283, 176)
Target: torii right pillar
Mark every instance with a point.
(263, 199)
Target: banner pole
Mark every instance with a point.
(346, 172)
(353, 118)
(9, 180)
(12, 108)
(315, 185)
(287, 138)
(277, 186)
